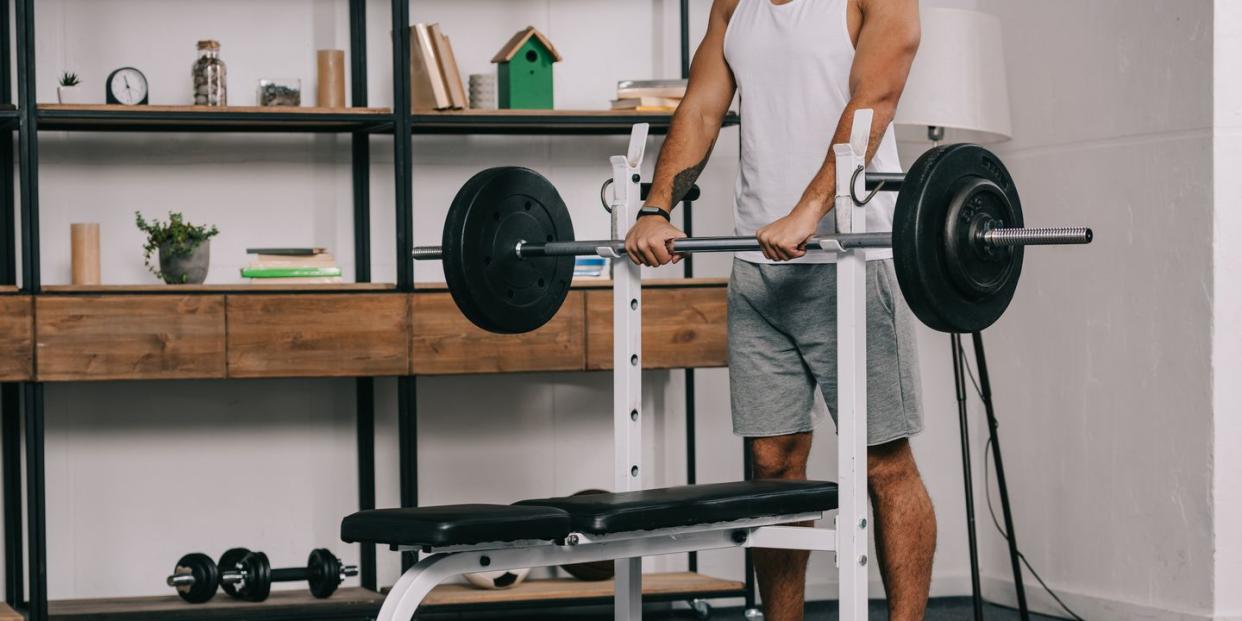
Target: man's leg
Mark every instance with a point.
(781, 573)
(905, 528)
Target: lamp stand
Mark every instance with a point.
(985, 389)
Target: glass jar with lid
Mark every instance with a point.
(210, 76)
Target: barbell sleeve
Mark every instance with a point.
(888, 182)
(1000, 238)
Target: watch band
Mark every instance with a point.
(648, 210)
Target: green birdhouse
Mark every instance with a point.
(524, 71)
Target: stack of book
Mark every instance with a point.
(649, 95)
(301, 266)
(435, 81)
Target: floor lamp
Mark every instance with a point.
(957, 91)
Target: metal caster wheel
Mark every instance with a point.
(702, 609)
(753, 614)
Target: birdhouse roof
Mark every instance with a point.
(506, 53)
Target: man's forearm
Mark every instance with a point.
(821, 191)
(682, 159)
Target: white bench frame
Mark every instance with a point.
(848, 539)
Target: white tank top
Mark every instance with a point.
(792, 67)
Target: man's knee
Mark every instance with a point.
(891, 464)
(781, 457)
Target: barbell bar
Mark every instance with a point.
(994, 238)
(958, 239)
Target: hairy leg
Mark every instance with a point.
(905, 528)
(781, 573)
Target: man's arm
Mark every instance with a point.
(693, 132)
(887, 41)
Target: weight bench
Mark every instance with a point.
(556, 531)
(632, 523)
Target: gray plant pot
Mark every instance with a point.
(186, 270)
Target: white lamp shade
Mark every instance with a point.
(957, 81)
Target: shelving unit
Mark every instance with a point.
(22, 397)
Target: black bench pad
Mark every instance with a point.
(451, 525)
(688, 505)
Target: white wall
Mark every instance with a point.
(1102, 365)
(1226, 345)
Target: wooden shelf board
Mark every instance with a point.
(603, 283)
(234, 288)
(352, 602)
(105, 117)
(208, 110)
(9, 289)
(536, 122)
(657, 586)
(8, 614)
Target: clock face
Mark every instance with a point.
(127, 86)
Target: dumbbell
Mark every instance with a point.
(248, 575)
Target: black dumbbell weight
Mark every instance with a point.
(195, 577)
(249, 575)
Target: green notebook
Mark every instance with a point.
(290, 272)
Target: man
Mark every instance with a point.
(802, 67)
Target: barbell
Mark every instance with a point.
(958, 237)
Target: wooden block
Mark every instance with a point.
(16, 339)
(82, 338)
(361, 335)
(446, 343)
(682, 328)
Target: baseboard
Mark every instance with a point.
(1088, 606)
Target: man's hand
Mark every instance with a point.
(786, 238)
(648, 241)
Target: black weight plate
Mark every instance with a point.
(492, 212)
(949, 280)
(258, 577)
(231, 561)
(206, 577)
(325, 572)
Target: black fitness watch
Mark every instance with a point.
(648, 210)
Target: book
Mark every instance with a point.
(627, 89)
(448, 68)
(280, 260)
(297, 252)
(307, 280)
(427, 89)
(646, 103)
(290, 272)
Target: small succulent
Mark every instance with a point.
(177, 238)
(69, 79)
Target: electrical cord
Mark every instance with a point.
(987, 487)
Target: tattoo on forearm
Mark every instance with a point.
(684, 180)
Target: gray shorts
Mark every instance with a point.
(782, 344)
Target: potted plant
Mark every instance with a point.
(184, 249)
(69, 91)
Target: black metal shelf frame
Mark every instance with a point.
(22, 405)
